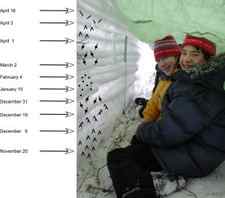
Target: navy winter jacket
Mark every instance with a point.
(189, 138)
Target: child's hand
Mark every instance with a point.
(141, 102)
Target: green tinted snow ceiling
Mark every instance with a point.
(153, 19)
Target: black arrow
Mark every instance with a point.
(66, 131)
(66, 22)
(66, 101)
(66, 40)
(56, 89)
(66, 64)
(67, 76)
(66, 114)
(66, 151)
(66, 10)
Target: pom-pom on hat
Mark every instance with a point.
(206, 45)
(165, 47)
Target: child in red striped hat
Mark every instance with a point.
(166, 52)
(195, 50)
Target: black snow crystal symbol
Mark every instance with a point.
(81, 13)
(85, 27)
(95, 100)
(92, 54)
(89, 155)
(86, 36)
(87, 99)
(96, 61)
(88, 120)
(93, 131)
(106, 107)
(91, 29)
(100, 20)
(81, 124)
(100, 112)
(88, 137)
(79, 143)
(95, 119)
(88, 17)
(93, 148)
(81, 105)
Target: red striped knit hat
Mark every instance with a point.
(206, 45)
(165, 47)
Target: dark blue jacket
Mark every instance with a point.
(189, 138)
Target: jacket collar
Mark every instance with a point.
(210, 75)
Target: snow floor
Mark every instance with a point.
(97, 184)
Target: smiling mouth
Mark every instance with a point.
(187, 66)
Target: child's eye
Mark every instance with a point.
(195, 55)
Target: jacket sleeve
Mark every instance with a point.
(152, 111)
(180, 121)
(153, 107)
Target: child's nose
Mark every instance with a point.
(187, 58)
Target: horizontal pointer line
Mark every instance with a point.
(52, 22)
(52, 76)
(52, 130)
(53, 114)
(46, 10)
(52, 151)
(52, 64)
(52, 88)
(52, 100)
(52, 40)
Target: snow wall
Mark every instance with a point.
(107, 56)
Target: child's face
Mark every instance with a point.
(167, 64)
(190, 55)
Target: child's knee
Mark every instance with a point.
(115, 156)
